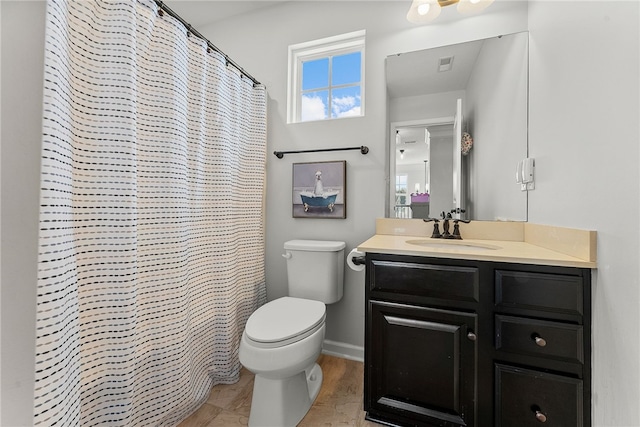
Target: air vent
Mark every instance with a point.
(445, 64)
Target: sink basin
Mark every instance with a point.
(452, 245)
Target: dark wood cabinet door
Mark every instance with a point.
(421, 365)
(530, 398)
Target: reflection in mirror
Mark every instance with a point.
(437, 95)
(423, 168)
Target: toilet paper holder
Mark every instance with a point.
(359, 260)
(356, 260)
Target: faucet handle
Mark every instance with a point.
(436, 227)
(465, 221)
(456, 228)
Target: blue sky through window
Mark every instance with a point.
(344, 91)
(315, 74)
(346, 69)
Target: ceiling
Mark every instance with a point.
(200, 13)
(416, 73)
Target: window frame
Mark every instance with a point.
(317, 49)
(400, 186)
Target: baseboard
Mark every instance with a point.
(344, 350)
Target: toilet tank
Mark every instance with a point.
(315, 269)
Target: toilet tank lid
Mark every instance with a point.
(314, 245)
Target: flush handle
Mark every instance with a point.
(287, 255)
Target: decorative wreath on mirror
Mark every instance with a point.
(466, 143)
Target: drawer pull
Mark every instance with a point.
(471, 336)
(540, 342)
(541, 417)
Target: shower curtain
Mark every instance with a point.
(151, 253)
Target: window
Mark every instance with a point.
(326, 78)
(402, 209)
(401, 189)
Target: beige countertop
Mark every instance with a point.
(515, 242)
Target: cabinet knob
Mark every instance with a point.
(471, 336)
(540, 342)
(541, 417)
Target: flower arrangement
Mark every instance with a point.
(466, 143)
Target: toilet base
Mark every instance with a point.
(284, 402)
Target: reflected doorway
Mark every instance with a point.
(422, 163)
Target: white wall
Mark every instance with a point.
(496, 117)
(424, 107)
(259, 42)
(441, 199)
(0, 246)
(22, 48)
(584, 127)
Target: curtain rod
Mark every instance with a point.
(191, 30)
(280, 154)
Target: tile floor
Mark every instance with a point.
(339, 402)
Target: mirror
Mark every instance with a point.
(457, 130)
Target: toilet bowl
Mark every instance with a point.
(280, 345)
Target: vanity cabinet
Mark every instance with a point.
(476, 343)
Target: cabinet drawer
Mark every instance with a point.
(459, 283)
(528, 398)
(532, 337)
(544, 292)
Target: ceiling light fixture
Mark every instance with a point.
(425, 11)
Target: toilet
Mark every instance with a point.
(283, 339)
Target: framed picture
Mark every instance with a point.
(320, 190)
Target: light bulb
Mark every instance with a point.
(470, 7)
(423, 11)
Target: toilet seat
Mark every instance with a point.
(284, 321)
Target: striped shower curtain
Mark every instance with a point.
(151, 253)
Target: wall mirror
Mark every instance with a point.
(438, 101)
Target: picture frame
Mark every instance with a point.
(319, 190)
